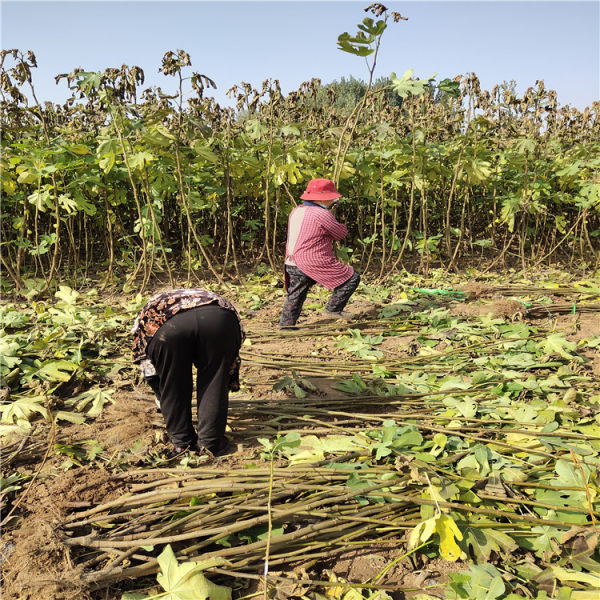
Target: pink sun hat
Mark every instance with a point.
(320, 189)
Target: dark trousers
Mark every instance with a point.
(207, 337)
(297, 289)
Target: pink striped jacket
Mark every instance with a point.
(311, 231)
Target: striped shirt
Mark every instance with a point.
(311, 231)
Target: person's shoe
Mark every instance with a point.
(222, 448)
(176, 451)
(342, 314)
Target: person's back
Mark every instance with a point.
(175, 331)
(311, 231)
(310, 259)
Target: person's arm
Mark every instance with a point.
(334, 228)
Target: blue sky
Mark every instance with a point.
(294, 41)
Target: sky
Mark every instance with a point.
(294, 41)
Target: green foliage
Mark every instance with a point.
(144, 173)
(392, 438)
(355, 385)
(345, 94)
(500, 416)
(482, 542)
(299, 386)
(361, 345)
(12, 483)
(79, 453)
(482, 582)
(406, 85)
(361, 43)
(21, 410)
(48, 347)
(94, 398)
(281, 443)
(556, 344)
(184, 581)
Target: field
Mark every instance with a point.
(443, 444)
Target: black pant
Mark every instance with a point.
(209, 338)
(297, 289)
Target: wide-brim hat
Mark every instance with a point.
(320, 189)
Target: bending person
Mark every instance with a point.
(175, 330)
(309, 256)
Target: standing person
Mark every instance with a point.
(175, 330)
(309, 256)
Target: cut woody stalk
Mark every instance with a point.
(220, 531)
(333, 514)
(270, 528)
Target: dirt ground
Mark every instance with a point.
(35, 561)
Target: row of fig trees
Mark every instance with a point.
(132, 182)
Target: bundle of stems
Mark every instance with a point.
(328, 365)
(535, 290)
(328, 415)
(544, 310)
(312, 510)
(327, 327)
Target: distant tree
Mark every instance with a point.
(346, 93)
